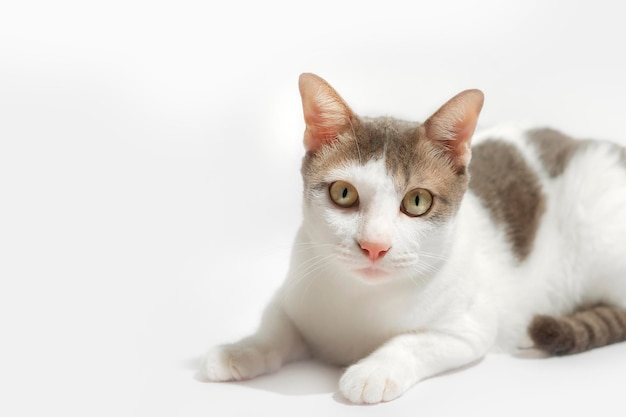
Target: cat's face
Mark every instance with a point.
(381, 195)
(381, 200)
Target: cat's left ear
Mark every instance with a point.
(453, 125)
(325, 113)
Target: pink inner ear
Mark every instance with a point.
(325, 112)
(454, 123)
(318, 131)
(461, 146)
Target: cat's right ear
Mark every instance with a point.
(325, 113)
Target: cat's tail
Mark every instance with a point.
(580, 331)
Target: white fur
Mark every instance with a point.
(443, 295)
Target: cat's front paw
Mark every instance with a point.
(372, 382)
(238, 362)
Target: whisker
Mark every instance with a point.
(303, 246)
(317, 262)
(356, 142)
(300, 276)
(417, 277)
(312, 243)
(307, 263)
(319, 268)
(432, 255)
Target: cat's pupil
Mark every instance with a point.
(345, 193)
(417, 200)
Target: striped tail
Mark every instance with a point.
(580, 331)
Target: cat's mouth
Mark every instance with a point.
(373, 272)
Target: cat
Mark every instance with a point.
(423, 247)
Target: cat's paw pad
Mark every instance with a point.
(237, 363)
(372, 383)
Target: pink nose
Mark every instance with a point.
(374, 251)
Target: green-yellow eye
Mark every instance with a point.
(343, 194)
(417, 202)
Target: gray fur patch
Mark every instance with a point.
(510, 190)
(555, 150)
(413, 160)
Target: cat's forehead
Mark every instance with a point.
(367, 139)
(408, 157)
(395, 140)
(371, 177)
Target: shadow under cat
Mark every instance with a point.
(308, 377)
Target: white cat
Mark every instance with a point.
(411, 261)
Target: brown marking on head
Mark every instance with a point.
(417, 161)
(432, 156)
(555, 150)
(510, 190)
(582, 330)
(411, 159)
(359, 142)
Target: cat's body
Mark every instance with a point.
(411, 260)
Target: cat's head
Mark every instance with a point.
(381, 194)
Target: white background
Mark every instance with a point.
(150, 186)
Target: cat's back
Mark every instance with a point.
(548, 153)
(518, 171)
(547, 192)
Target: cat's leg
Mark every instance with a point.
(408, 358)
(276, 342)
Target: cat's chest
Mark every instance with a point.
(342, 321)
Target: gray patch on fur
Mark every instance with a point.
(555, 150)
(411, 158)
(510, 190)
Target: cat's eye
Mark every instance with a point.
(417, 202)
(343, 194)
